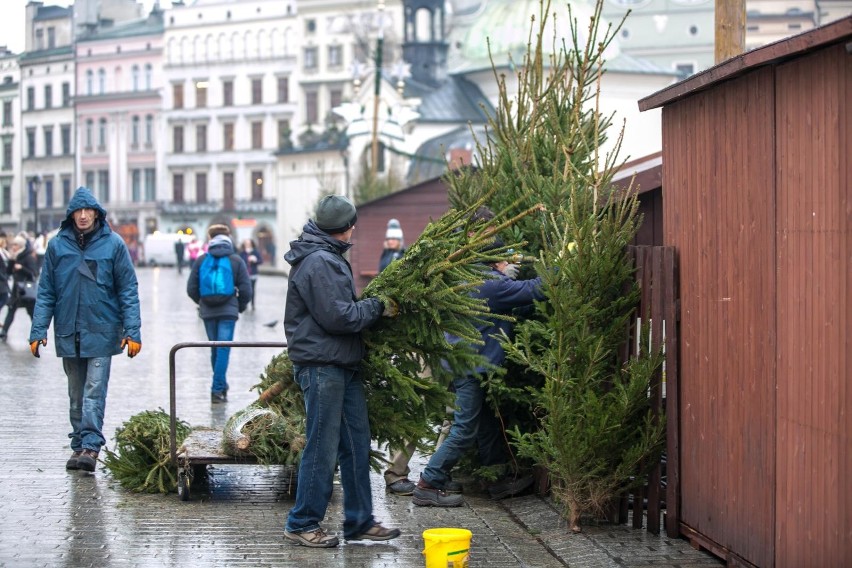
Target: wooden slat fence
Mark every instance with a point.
(656, 274)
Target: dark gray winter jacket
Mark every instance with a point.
(323, 318)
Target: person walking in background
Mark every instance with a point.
(23, 266)
(219, 283)
(394, 246)
(251, 256)
(4, 275)
(194, 248)
(88, 288)
(323, 321)
(179, 250)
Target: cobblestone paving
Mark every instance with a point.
(50, 517)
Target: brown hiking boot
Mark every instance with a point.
(88, 460)
(72, 461)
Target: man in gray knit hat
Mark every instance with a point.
(323, 320)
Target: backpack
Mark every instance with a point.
(216, 280)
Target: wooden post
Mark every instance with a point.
(730, 29)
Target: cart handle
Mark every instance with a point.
(172, 399)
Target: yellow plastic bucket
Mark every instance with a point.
(447, 548)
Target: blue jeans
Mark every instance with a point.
(220, 330)
(474, 422)
(87, 391)
(338, 431)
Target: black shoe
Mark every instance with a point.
(72, 461)
(376, 533)
(88, 460)
(431, 497)
(218, 397)
(510, 486)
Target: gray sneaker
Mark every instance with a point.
(313, 539)
(431, 497)
(72, 461)
(401, 487)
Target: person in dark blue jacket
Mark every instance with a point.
(220, 317)
(88, 288)
(474, 422)
(323, 320)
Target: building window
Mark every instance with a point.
(66, 189)
(256, 91)
(257, 186)
(177, 188)
(6, 206)
(30, 98)
(134, 73)
(227, 93)
(39, 36)
(101, 81)
(136, 185)
(149, 71)
(149, 130)
(310, 59)
(48, 96)
(283, 89)
(31, 142)
(310, 26)
(256, 135)
(150, 184)
(48, 193)
(201, 94)
(311, 107)
(177, 139)
(51, 37)
(134, 132)
(200, 137)
(65, 134)
(335, 56)
(177, 95)
(90, 82)
(284, 134)
(228, 132)
(102, 134)
(103, 186)
(66, 94)
(201, 188)
(685, 69)
(90, 126)
(228, 191)
(7, 153)
(90, 180)
(336, 96)
(48, 140)
(7, 113)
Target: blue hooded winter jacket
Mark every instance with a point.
(88, 292)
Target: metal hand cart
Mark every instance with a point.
(201, 447)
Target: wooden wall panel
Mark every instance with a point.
(814, 242)
(718, 167)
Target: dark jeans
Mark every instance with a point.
(13, 307)
(474, 422)
(220, 330)
(338, 431)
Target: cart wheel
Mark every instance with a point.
(183, 485)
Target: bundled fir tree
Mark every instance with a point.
(590, 423)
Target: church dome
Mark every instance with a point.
(506, 25)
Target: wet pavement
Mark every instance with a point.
(50, 517)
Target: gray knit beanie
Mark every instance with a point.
(335, 214)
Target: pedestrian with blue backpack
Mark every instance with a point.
(219, 283)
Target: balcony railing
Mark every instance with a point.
(238, 207)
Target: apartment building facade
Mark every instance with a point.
(10, 147)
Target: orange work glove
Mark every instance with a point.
(133, 347)
(34, 346)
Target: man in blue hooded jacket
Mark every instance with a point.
(88, 288)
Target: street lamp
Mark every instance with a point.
(377, 90)
(35, 185)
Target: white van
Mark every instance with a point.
(159, 249)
